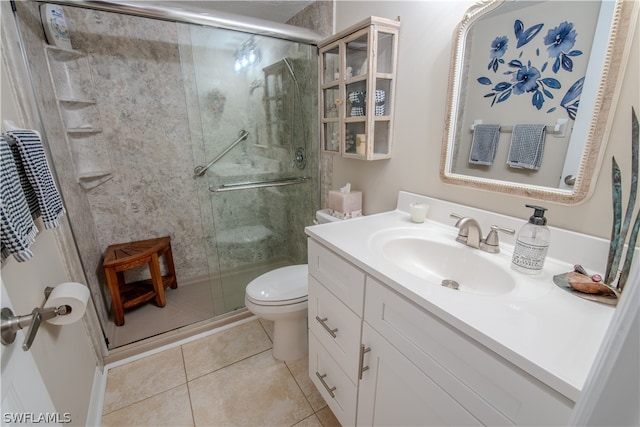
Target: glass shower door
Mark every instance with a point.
(258, 197)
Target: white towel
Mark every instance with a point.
(18, 232)
(527, 146)
(484, 144)
(39, 184)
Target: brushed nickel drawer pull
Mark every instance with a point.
(361, 368)
(324, 324)
(330, 390)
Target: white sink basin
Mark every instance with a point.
(440, 260)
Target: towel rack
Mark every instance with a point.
(200, 170)
(559, 130)
(258, 184)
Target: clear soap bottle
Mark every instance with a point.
(532, 243)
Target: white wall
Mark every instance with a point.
(64, 355)
(423, 66)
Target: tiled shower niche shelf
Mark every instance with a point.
(80, 115)
(92, 163)
(71, 78)
(70, 73)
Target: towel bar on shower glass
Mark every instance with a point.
(258, 184)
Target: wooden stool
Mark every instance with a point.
(125, 256)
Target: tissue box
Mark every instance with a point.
(345, 205)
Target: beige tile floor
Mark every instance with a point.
(226, 379)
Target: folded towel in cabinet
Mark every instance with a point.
(357, 99)
(39, 184)
(18, 231)
(527, 146)
(380, 107)
(484, 144)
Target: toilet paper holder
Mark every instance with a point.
(11, 323)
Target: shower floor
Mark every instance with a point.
(190, 303)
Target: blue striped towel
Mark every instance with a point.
(18, 232)
(39, 188)
(527, 146)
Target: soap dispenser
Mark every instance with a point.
(532, 243)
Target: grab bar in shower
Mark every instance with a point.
(200, 170)
(258, 184)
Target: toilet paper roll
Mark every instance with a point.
(74, 295)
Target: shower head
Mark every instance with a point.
(300, 157)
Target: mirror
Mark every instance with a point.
(532, 88)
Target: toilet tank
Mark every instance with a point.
(323, 217)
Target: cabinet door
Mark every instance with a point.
(493, 390)
(394, 392)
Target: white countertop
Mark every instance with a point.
(544, 330)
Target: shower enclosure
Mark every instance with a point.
(160, 128)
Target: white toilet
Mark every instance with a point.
(281, 295)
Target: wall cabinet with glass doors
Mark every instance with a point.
(357, 84)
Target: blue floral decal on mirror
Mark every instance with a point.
(560, 40)
(526, 77)
(498, 48)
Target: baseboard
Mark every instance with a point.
(96, 403)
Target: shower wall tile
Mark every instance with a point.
(318, 16)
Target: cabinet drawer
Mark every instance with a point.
(343, 279)
(475, 376)
(344, 398)
(336, 327)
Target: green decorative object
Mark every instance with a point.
(621, 228)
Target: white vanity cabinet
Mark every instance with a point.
(336, 304)
(394, 363)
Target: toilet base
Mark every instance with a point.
(290, 339)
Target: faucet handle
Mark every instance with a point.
(463, 234)
(492, 244)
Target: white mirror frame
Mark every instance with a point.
(596, 134)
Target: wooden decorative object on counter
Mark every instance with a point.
(584, 287)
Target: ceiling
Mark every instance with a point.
(277, 11)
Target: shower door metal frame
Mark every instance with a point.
(207, 17)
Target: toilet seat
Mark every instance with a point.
(282, 286)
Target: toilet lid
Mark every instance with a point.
(280, 285)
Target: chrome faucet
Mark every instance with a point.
(470, 234)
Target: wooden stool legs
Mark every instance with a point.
(116, 301)
(156, 279)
